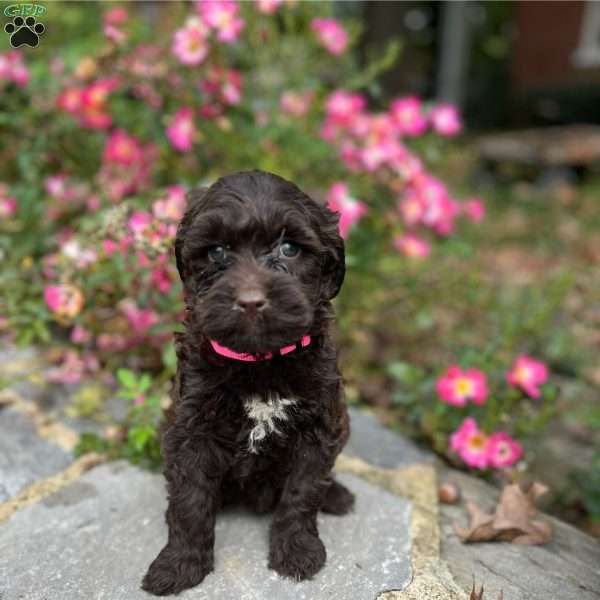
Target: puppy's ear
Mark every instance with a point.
(194, 198)
(333, 268)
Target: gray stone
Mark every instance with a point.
(95, 539)
(379, 446)
(567, 568)
(24, 456)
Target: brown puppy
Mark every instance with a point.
(257, 414)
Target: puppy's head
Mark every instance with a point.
(258, 259)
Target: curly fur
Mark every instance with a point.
(212, 457)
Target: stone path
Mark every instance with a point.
(100, 533)
(76, 529)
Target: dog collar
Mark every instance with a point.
(227, 352)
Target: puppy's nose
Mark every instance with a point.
(251, 301)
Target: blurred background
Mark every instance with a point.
(459, 141)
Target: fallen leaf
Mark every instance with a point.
(480, 525)
(478, 595)
(514, 519)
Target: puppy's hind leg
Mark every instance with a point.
(337, 500)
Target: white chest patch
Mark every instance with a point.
(266, 412)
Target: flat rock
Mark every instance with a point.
(25, 457)
(99, 534)
(567, 568)
(380, 446)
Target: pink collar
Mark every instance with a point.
(223, 351)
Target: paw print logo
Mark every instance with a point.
(24, 32)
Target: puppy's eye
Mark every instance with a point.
(289, 249)
(217, 253)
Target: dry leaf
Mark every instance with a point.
(513, 521)
(478, 595)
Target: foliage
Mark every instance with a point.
(104, 136)
(137, 440)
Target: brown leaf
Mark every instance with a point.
(475, 595)
(478, 595)
(480, 526)
(513, 520)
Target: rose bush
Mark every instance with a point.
(115, 129)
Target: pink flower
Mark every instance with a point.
(407, 115)
(72, 368)
(528, 374)
(181, 131)
(376, 152)
(470, 444)
(456, 386)
(343, 107)
(445, 120)
(8, 207)
(268, 6)
(89, 104)
(412, 246)
(408, 166)
(127, 165)
(139, 400)
(79, 335)
(69, 100)
(222, 16)
(331, 35)
(115, 16)
(111, 342)
(161, 280)
(439, 209)
(351, 210)
(64, 300)
(502, 450)
(139, 222)
(412, 209)
(114, 34)
(109, 247)
(474, 209)
(122, 148)
(140, 319)
(296, 104)
(190, 44)
(12, 68)
(172, 207)
(223, 86)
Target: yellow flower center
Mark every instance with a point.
(477, 442)
(523, 374)
(463, 386)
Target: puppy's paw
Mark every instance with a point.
(338, 500)
(299, 556)
(176, 569)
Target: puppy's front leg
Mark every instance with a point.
(194, 473)
(295, 547)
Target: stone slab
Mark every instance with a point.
(567, 568)
(380, 446)
(25, 457)
(95, 538)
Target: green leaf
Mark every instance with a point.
(127, 378)
(144, 383)
(140, 436)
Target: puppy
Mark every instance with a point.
(257, 416)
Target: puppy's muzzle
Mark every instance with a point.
(251, 301)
